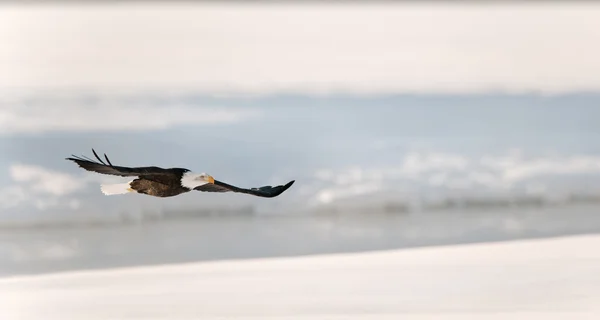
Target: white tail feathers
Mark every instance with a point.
(119, 188)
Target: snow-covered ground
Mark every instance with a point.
(535, 279)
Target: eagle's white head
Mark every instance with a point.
(192, 180)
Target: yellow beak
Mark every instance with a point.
(211, 179)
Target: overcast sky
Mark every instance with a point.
(210, 48)
(405, 47)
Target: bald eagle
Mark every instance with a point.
(169, 182)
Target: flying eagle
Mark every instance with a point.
(160, 182)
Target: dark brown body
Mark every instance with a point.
(166, 188)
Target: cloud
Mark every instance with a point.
(41, 187)
(313, 48)
(108, 115)
(330, 194)
(42, 180)
(12, 196)
(537, 167)
(450, 172)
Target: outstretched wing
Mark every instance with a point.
(108, 168)
(266, 191)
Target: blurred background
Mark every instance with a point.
(403, 124)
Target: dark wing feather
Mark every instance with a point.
(266, 191)
(108, 168)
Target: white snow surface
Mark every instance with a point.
(555, 278)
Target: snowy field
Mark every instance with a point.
(555, 278)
